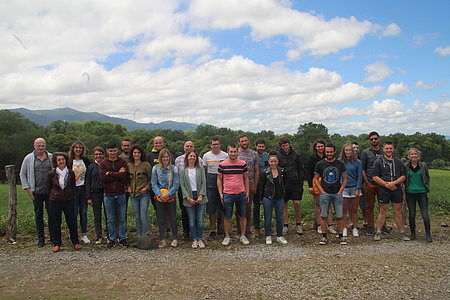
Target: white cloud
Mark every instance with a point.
(417, 103)
(386, 107)
(161, 56)
(392, 29)
(420, 39)
(420, 84)
(395, 89)
(443, 51)
(307, 32)
(347, 57)
(377, 72)
(177, 46)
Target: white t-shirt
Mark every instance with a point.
(212, 161)
(79, 168)
(193, 179)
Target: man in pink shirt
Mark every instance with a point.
(233, 185)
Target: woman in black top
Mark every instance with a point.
(272, 185)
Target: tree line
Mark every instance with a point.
(17, 134)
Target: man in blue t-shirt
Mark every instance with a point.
(263, 164)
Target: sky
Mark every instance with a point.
(354, 66)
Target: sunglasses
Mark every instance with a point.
(374, 139)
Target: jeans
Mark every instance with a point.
(113, 203)
(81, 207)
(167, 211)
(422, 199)
(39, 201)
(184, 215)
(140, 208)
(325, 202)
(97, 203)
(196, 215)
(269, 204)
(214, 204)
(241, 204)
(257, 198)
(69, 208)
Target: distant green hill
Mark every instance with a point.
(45, 117)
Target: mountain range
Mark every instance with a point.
(45, 117)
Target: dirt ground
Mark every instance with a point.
(364, 269)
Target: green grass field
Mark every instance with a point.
(439, 204)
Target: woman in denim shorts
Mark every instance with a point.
(352, 190)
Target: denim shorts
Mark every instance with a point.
(325, 202)
(349, 192)
(241, 204)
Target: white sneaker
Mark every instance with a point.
(268, 240)
(319, 229)
(85, 239)
(344, 232)
(299, 229)
(285, 229)
(174, 243)
(244, 240)
(355, 232)
(331, 229)
(281, 240)
(98, 241)
(201, 244)
(226, 241)
(194, 244)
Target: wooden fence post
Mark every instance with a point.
(11, 227)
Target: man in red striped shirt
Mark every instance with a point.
(233, 185)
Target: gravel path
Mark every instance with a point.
(364, 269)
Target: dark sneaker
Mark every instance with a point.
(323, 241)
(412, 237)
(377, 236)
(41, 243)
(111, 244)
(342, 241)
(429, 238)
(386, 230)
(212, 235)
(370, 231)
(404, 237)
(250, 235)
(123, 243)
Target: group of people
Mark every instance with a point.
(216, 183)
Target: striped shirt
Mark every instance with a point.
(233, 176)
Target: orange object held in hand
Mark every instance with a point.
(164, 191)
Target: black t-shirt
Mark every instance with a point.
(331, 174)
